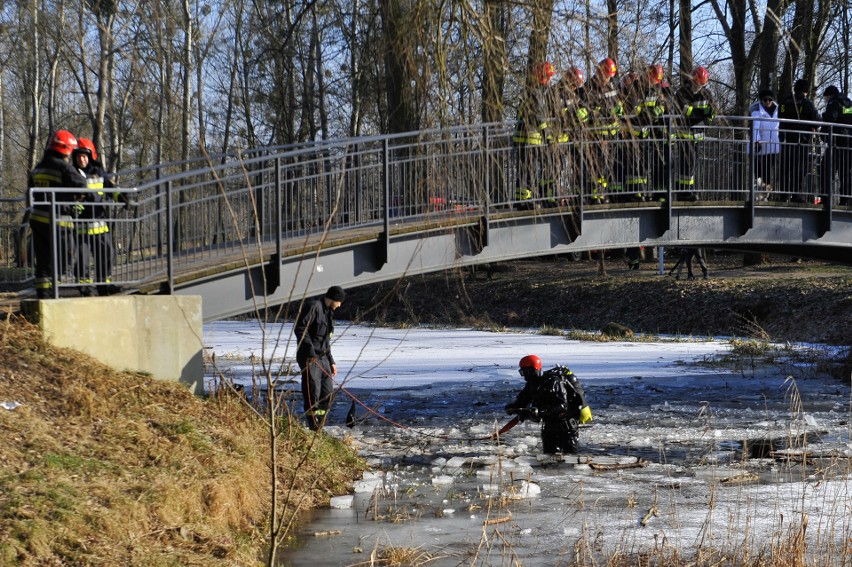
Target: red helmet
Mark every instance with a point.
(700, 75)
(85, 145)
(629, 79)
(62, 142)
(530, 366)
(574, 77)
(543, 72)
(608, 67)
(655, 74)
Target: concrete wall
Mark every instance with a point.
(160, 335)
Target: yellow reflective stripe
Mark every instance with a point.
(39, 216)
(96, 227)
(46, 179)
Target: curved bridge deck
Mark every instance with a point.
(278, 224)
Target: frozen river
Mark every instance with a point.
(683, 456)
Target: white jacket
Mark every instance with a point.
(764, 130)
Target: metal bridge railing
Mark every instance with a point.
(231, 205)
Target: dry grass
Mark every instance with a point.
(112, 468)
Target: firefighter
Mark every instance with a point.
(605, 112)
(652, 106)
(796, 140)
(529, 135)
(54, 170)
(570, 121)
(94, 241)
(556, 399)
(838, 159)
(629, 148)
(694, 108)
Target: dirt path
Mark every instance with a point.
(781, 300)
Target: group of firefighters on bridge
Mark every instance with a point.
(608, 118)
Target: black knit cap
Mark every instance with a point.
(831, 91)
(802, 86)
(336, 293)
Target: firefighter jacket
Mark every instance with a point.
(838, 112)
(572, 115)
(92, 208)
(532, 124)
(53, 171)
(605, 108)
(694, 108)
(648, 106)
(795, 107)
(313, 331)
(558, 395)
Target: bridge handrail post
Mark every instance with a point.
(386, 192)
(279, 228)
(829, 169)
(170, 273)
(54, 248)
(486, 161)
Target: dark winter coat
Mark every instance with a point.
(797, 107)
(53, 171)
(838, 112)
(313, 331)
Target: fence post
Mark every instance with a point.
(54, 249)
(384, 251)
(170, 273)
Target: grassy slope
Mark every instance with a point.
(105, 468)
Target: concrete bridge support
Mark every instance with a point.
(159, 335)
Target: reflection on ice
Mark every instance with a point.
(679, 457)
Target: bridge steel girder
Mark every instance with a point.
(504, 237)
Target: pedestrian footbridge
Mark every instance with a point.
(264, 227)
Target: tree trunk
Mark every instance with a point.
(494, 60)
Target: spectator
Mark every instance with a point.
(797, 140)
(765, 141)
(838, 158)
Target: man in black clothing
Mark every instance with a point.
(313, 331)
(54, 170)
(555, 398)
(838, 158)
(796, 140)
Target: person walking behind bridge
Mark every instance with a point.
(555, 398)
(686, 256)
(313, 331)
